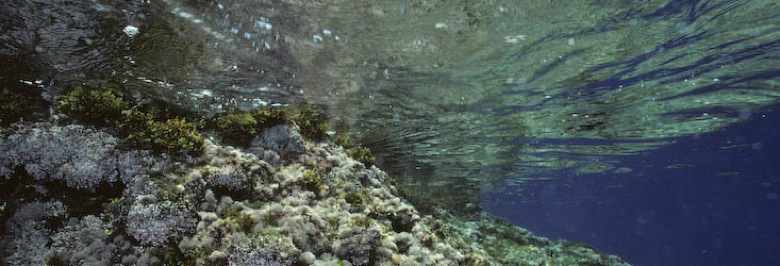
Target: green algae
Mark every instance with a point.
(239, 128)
(342, 139)
(358, 152)
(362, 154)
(355, 199)
(312, 122)
(312, 180)
(100, 107)
(170, 136)
(241, 220)
(106, 107)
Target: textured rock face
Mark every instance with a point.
(80, 157)
(317, 207)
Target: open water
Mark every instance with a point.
(645, 128)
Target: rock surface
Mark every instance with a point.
(73, 198)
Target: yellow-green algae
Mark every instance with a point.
(105, 107)
(240, 127)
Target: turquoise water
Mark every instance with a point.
(462, 101)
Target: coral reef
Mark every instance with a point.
(228, 206)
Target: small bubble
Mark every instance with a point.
(131, 30)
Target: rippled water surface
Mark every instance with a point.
(483, 94)
(460, 100)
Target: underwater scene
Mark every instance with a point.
(390, 132)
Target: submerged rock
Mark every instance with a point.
(229, 207)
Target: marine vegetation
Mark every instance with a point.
(170, 136)
(140, 128)
(362, 154)
(105, 107)
(312, 180)
(358, 152)
(313, 123)
(102, 108)
(239, 128)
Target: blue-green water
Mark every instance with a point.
(460, 100)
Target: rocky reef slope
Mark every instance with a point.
(71, 197)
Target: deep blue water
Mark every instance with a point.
(712, 199)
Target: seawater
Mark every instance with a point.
(550, 113)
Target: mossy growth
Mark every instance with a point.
(357, 152)
(101, 107)
(363, 221)
(355, 199)
(239, 128)
(256, 204)
(343, 139)
(244, 221)
(236, 129)
(311, 180)
(313, 123)
(132, 121)
(105, 107)
(362, 154)
(170, 136)
(269, 117)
